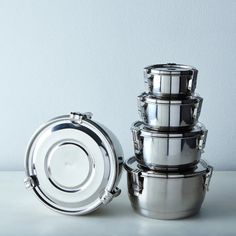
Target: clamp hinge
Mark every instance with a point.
(109, 195)
(137, 182)
(29, 182)
(208, 177)
(197, 109)
(202, 140)
(141, 107)
(137, 141)
(77, 117)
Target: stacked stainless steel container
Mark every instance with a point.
(167, 179)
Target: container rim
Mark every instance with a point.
(171, 69)
(149, 98)
(144, 131)
(131, 166)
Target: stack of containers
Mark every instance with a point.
(167, 178)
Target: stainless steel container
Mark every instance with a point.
(168, 150)
(73, 164)
(170, 80)
(165, 195)
(169, 115)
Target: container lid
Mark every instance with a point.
(149, 98)
(198, 130)
(131, 165)
(171, 69)
(71, 164)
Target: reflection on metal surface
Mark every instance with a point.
(165, 195)
(167, 178)
(170, 80)
(169, 115)
(157, 150)
(73, 164)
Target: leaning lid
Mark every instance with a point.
(138, 126)
(73, 164)
(131, 165)
(171, 69)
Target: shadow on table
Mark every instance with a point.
(219, 203)
(211, 210)
(217, 210)
(113, 209)
(221, 207)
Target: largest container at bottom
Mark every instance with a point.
(163, 195)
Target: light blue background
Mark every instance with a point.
(62, 56)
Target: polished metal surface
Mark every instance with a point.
(170, 80)
(168, 150)
(164, 195)
(169, 115)
(73, 164)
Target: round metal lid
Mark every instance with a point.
(170, 69)
(198, 130)
(72, 164)
(131, 165)
(145, 97)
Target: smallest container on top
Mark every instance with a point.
(170, 80)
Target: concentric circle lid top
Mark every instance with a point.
(71, 164)
(131, 165)
(170, 69)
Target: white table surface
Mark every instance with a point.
(22, 214)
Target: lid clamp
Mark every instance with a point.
(141, 107)
(137, 183)
(202, 141)
(30, 182)
(190, 85)
(116, 192)
(208, 177)
(77, 117)
(136, 139)
(196, 111)
(109, 195)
